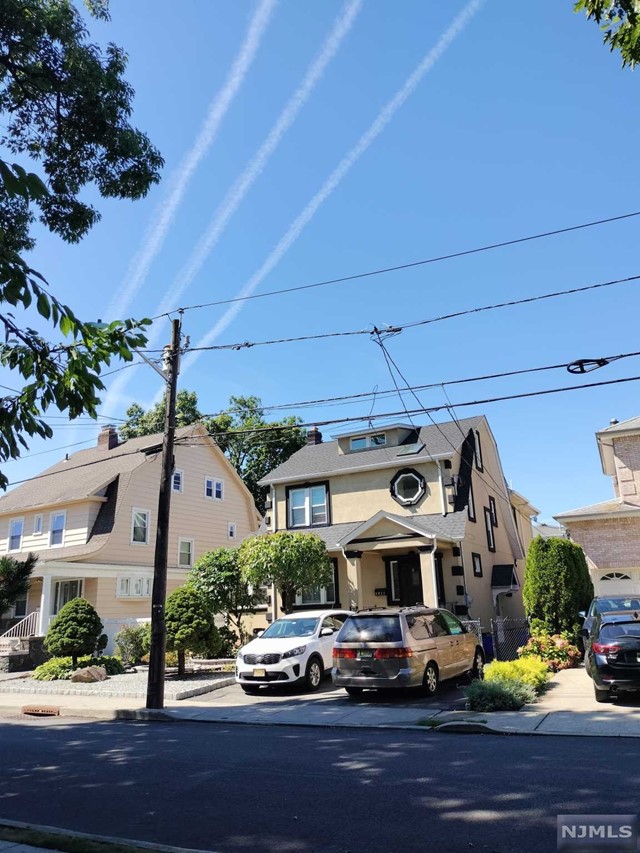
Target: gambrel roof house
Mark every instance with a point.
(91, 520)
(609, 532)
(408, 515)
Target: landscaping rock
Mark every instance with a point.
(89, 674)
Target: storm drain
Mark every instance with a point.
(40, 711)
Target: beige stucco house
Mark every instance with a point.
(91, 520)
(408, 515)
(609, 532)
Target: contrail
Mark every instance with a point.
(258, 162)
(368, 137)
(165, 213)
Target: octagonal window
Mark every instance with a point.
(408, 487)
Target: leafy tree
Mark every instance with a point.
(291, 561)
(65, 104)
(556, 583)
(190, 625)
(217, 577)
(75, 631)
(14, 579)
(620, 22)
(252, 452)
(141, 423)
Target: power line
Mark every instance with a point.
(399, 267)
(74, 467)
(51, 450)
(396, 329)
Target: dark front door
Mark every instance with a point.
(440, 580)
(410, 579)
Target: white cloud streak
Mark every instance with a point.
(335, 178)
(166, 211)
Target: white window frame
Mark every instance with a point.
(491, 536)
(192, 543)
(37, 524)
(177, 473)
(10, 536)
(232, 531)
(308, 506)
(394, 593)
(421, 488)
(134, 510)
(126, 586)
(471, 503)
(56, 591)
(476, 561)
(53, 515)
(216, 485)
(378, 439)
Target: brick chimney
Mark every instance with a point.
(314, 436)
(107, 437)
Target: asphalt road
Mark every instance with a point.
(264, 789)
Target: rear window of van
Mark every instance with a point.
(370, 629)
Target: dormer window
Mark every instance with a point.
(364, 442)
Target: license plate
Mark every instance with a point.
(365, 654)
(259, 673)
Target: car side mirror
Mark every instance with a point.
(326, 632)
(582, 614)
(258, 633)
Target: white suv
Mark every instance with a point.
(294, 648)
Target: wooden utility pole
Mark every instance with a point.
(155, 684)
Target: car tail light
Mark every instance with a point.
(345, 653)
(606, 648)
(385, 654)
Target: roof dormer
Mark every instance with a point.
(391, 435)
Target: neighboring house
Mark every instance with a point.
(609, 532)
(408, 516)
(91, 520)
(549, 531)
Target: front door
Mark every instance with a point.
(410, 580)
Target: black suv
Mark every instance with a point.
(613, 653)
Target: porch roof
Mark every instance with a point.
(337, 536)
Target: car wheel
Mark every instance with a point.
(430, 680)
(601, 695)
(477, 670)
(354, 692)
(250, 690)
(313, 675)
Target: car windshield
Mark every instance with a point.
(620, 629)
(305, 626)
(371, 629)
(605, 605)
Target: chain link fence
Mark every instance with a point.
(508, 636)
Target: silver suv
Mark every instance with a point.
(407, 647)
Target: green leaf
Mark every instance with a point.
(44, 309)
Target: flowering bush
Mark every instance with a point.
(556, 650)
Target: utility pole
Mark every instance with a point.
(155, 683)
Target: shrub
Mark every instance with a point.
(60, 669)
(75, 631)
(556, 650)
(499, 695)
(133, 643)
(531, 670)
(170, 658)
(190, 625)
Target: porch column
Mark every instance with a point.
(45, 606)
(355, 598)
(428, 572)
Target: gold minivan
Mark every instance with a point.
(406, 647)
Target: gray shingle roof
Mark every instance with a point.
(623, 426)
(323, 459)
(451, 526)
(614, 506)
(83, 474)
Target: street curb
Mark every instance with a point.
(106, 839)
(469, 728)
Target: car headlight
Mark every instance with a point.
(292, 653)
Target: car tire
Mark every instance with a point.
(313, 674)
(430, 680)
(601, 695)
(250, 690)
(354, 692)
(477, 670)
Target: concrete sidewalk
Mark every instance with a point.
(568, 707)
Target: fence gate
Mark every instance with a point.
(508, 636)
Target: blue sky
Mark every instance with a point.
(525, 123)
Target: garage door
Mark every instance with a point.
(617, 583)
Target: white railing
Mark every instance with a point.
(27, 627)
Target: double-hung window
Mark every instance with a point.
(318, 594)
(308, 507)
(231, 530)
(134, 586)
(140, 526)
(213, 489)
(56, 533)
(177, 481)
(37, 525)
(15, 534)
(185, 553)
(488, 523)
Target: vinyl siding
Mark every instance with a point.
(78, 523)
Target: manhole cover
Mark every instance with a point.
(40, 710)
